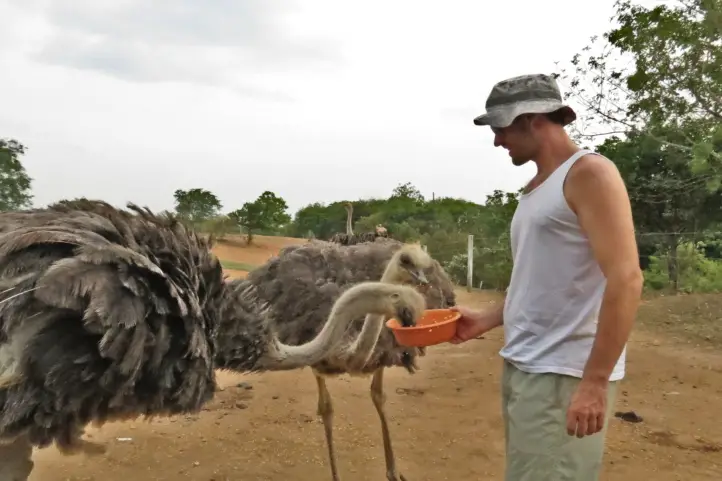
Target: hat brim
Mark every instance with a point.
(503, 116)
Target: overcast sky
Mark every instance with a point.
(316, 100)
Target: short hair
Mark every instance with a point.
(557, 117)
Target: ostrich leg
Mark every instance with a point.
(379, 398)
(325, 410)
(16, 462)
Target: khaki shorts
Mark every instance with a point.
(538, 447)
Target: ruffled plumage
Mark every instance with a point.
(104, 314)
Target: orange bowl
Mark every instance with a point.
(436, 326)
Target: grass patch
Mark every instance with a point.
(238, 266)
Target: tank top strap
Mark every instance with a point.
(564, 168)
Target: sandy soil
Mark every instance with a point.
(445, 420)
(234, 248)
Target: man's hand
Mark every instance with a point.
(587, 410)
(473, 324)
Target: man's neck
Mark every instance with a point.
(554, 152)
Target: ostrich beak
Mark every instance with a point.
(406, 317)
(421, 277)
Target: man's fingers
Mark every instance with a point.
(571, 422)
(582, 425)
(592, 426)
(600, 422)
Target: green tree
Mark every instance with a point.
(405, 202)
(322, 220)
(490, 225)
(219, 226)
(407, 191)
(442, 225)
(664, 113)
(492, 260)
(675, 81)
(268, 211)
(196, 205)
(14, 181)
(308, 219)
(667, 196)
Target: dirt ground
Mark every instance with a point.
(234, 248)
(445, 420)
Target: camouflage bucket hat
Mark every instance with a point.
(526, 94)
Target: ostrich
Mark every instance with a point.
(108, 314)
(294, 274)
(349, 238)
(346, 238)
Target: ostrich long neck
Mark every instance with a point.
(349, 218)
(355, 302)
(373, 323)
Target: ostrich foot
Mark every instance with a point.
(90, 448)
(395, 477)
(83, 446)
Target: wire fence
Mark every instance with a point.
(483, 264)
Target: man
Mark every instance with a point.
(574, 291)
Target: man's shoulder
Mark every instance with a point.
(592, 163)
(593, 168)
(593, 174)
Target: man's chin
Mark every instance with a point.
(519, 161)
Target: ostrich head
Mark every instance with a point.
(411, 264)
(407, 266)
(402, 302)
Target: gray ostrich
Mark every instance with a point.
(346, 238)
(107, 314)
(295, 274)
(349, 238)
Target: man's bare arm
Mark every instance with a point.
(596, 192)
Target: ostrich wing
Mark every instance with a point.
(102, 316)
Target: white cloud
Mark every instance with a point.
(319, 101)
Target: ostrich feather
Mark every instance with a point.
(104, 314)
(302, 282)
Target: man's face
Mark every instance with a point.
(518, 139)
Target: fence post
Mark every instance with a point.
(470, 263)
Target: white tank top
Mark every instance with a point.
(556, 289)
